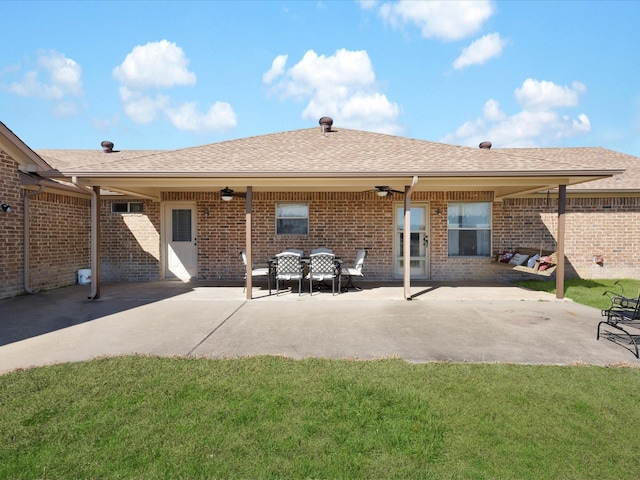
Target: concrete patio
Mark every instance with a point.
(442, 323)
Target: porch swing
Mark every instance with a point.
(530, 260)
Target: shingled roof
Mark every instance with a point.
(340, 152)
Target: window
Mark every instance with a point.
(181, 225)
(469, 229)
(292, 219)
(126, 207)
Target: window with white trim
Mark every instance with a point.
(292, 219)
(469, 229)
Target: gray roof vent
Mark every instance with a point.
(485, 145)
(107, 147)
(325, 124)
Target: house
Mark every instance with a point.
(187, 213)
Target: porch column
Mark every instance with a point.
(406, 241)
(562, 205)
(95, 244)
(249, 266)
(406, 244)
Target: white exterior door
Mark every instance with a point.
(181, 251)
(419, 234)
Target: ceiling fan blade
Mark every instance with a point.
(383, 190)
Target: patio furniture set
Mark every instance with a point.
(320, 267)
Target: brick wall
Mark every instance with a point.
(11, 252)
(130, 243)
(603, 226)
(58, 232)
(60, 239)
(345, 222)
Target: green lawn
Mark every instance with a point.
(588, 292)
(270, 417)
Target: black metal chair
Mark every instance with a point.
(623, 313)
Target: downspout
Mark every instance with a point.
(25, 220)
(406, 255)
(95, 219)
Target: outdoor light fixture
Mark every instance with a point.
(384, 191)
(6, 208)
(227, 194)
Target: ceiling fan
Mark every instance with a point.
(384, 191)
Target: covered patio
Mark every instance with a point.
(325, 163)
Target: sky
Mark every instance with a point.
(170, 75)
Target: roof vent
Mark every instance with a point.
(325, 124)
(485, 145)
(107, 147)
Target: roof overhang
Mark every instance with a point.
(503, 184)
(20, 152)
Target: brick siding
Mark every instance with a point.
(59, 233)
(130, 243)
(11, 251)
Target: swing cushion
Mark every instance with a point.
(532, 260)
(518, 259)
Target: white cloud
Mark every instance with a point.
(142, 108)
(63, 78)
(156, 64)
(491, 111)
(54, 78)
(536, 95)
(480, 51)
(445, 20)
(219, 117)
(538, 124)
(150, 69)
(368, 4)
(277, 69)
(342, 86)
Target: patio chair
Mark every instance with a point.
(255, 272)
(288, 267)
(355, 271)
(622, 315)
(322, 267)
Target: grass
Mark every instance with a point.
(588, 292)
(269, 417)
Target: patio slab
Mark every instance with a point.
(444, 322)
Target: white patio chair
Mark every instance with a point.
(322, 250)
(288, 267)
(322, 267)
(355, 271)
(255, 272)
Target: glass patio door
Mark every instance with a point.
(419, 241)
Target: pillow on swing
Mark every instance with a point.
(532, 261)
(518, 259)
